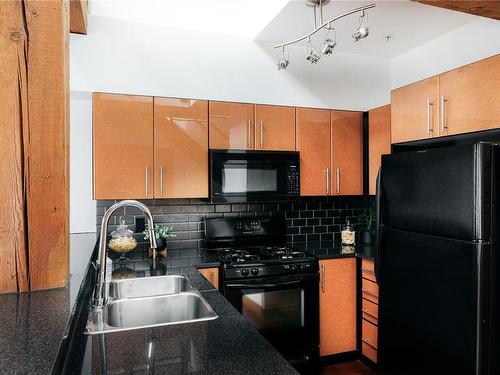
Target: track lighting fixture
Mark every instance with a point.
(329, 43)
(362, 31)
(313, 55)
(283, 60)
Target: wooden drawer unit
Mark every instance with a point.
(369, 290)
(368, 269)
(211, 274)
(369, 311)
(369, 339)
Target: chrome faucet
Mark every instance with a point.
(101, 295)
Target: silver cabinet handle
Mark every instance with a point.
(323, 285)
(249, 130)
(161, 180)
(367, 270)
(368, 291)
(368, 312)
(147, 181)
(368, 342)
(337, 175)
(429, 105)
(261, 133)
(443, 124)
(327, 173)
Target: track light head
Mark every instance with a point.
(362, 31)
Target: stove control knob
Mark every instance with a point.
(293, 267)
(255, 271)
(244, 272)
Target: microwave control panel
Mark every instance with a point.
(293, 183)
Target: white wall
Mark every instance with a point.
(473, 41)
(82, 207)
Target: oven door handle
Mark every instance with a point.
(260, 286)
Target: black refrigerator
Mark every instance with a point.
(437, 259)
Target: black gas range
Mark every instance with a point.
(274, 286)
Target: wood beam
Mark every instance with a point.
(489, 8)
(78, 16)
(48, 151)
(13, 117)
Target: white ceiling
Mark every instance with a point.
(409, 24)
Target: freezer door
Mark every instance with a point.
(430, 300)
(442, 191)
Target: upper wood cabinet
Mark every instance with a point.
(470, 98)
(313, 142)
(337, 306)
(122, 146)
(379, 141)
(274, 128)
(414, 111)
(181, 148)
(347, 152)
(231, 125)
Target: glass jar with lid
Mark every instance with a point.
(348, 234)
(122, 239)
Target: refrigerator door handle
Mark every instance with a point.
(377, 226)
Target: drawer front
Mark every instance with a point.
(369, 333)
(369, 311)
(369, 352)
(368, 269)
(369, 291)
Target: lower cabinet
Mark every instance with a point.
(337, 306)
(211, 274)
(369, 311)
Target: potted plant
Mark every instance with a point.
(162, 234)
(367, 227)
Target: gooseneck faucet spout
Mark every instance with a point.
(101, 292)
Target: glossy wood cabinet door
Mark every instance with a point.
(122, 146)
(313, 142)
(212, 275)
(231, 126)
(414, 111)
(274, 128)
(347, 152)
(470, 98)
(379, 141)
(337, 306)
(181, 148)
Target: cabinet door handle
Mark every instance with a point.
(429, 105)
(368, 342)
(443, 123)
(323, 284)
(147, 181)
(368, 291)
(211, 277)
(161, 180)
(249, 130)
(337, 178)
(327, 173)
(261, 133)
(368, 270)
(368, 312)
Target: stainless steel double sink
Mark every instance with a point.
(149, 302)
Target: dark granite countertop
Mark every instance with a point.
(333, 249)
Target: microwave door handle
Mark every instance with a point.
(266, 285)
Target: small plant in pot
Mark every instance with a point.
(367, 227)
(162, 234)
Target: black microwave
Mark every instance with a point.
(246, 176)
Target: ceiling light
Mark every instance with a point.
(328, 43)
(362, 31)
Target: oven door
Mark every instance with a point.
(284, 309)
(242, 176)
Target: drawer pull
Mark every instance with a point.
(368, 291)
(368, 342)
(368, 312)
(367, 270)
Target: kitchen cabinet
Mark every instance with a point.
(122, 146)
(414, 111)
(274, 128)
(379, 141)
(231, 126)
(470, 98)
(337, 306)
(369, 311)
(347, 152)
(181, 148)
(313, 142)
(212, 275)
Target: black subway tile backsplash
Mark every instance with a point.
(308, 219)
